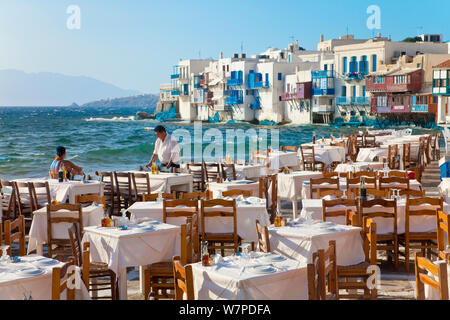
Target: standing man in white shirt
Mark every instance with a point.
(166, 150)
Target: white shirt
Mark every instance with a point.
(168, 150)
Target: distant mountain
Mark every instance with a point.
(18, 88)
(147, 101)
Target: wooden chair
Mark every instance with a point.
(141, 185)
(261, 157)
(11, 236)
(406, 157)
(24, 202)
(322, 275)
(41, 197)
(207, 195)
(333, 184)
(59, 248)
(289, 148)
(359, 272)
(393, 157)
(335, 174)
(212, 171)
(370, 141)
(443, 233)
(237, 192)
(198, 175)
(188, 209)
(88, 199)
(154, 196)
(377, 194)
(355, 183)
(382, 209)
(419, 240)
(184, 280)
(229, 240)
(360, 174)
(265, 184)
(438, 281)
(408, 193)
(124, 192)
(60, 280)
(263, 237)
(398, 174)
(104, 278)
(323, 193)
(352, 151)
(329, 209)
(159, 279)
(393, 183)
(309, 159)
(109, 191)
(228, 171)
(8, 203)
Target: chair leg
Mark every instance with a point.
(407, 256)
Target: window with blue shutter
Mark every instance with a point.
(267, 78)
(374, 63)
(344, 63)
(364, 91)
(354, 91)
(353, 65)
(279, 76)
(344, 91)
(363, 65)
(240, 75)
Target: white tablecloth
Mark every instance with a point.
(327, 154)
(132, 248)
(290, 186)
(249, 171)
(280, 159)
(92, 216)
(444, 189)
(384, 225)
(166, 182)
(14, 286)
(234, 185)
(64, 191)
(413, 185)
(299, 242)
(227, 282)
(358, 166)
(246, 218)
(369, 154)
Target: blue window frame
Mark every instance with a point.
(374, 63)
(344, 63)
(267, 78)
(354, 91)
(364, 91)
(280, 76)
(353, 65)
(344, 91)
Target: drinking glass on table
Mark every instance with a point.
(5, 258)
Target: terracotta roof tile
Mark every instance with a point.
(443, 65)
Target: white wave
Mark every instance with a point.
(130, 118)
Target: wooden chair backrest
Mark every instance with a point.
(443, 233)
(212, 171)
(322, 274)
(400, 183)
(369, 236)
(75, 243)
(271, 202)
(225, 174)
(39, 197)
(378, 194)
(323, 193)
(330, 204)
(333, 185)
(88, 199)
(219, 212)
(154, 196)
(409, 193)
(289, 148)
(314, 277)
(11, 236)
(207, 195)
(124, 185)
(384, 209)
(237, 192)
(141, 183)
(23, 195)
(263, 237)
(7, 200)
(60, 281)
(186, 241)
(184, 281)
(190, 208)
(426, 207)
(393, 157)
(399, 174)
(437, 282)
(367, 174)
(371, 183)
(308, 155)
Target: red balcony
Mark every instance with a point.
(302, 91)
(399, 81)
(209, 97)
(393, 104)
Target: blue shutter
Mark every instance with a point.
(374, 63)
(344, 62)
(279, 76)
(364, 91)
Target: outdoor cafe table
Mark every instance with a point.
(327, 154)
(413, 185)
(134, 247)
(243, 171)
(300, 240)
(280, 159)
(358, 166)
(259, 278)
(63, 191)
(167, 182)
(384, 225)
(92, 216)
(246, 215)
(32, 276)
(290, 186)
(444, 189)
(249, 185)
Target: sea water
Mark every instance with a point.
(106, 139)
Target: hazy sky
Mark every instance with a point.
(134, 43)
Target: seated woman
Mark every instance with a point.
(59, 162)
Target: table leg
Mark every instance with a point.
(123, 294)
(40, 250)
(294, 209)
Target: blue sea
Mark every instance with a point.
(106, 138)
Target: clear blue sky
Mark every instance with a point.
(134, 43)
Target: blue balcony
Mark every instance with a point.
(323, 92)
(419, 108)
(234, 100)
(322, 74)
(175, 76)
(175, 92)
(255, 106)
(259, 84)
(353, 76)
(234, 82)
(352, 101)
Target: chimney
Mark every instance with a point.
(221, 55)
(243, 56)
(321, 38)
(236, 56)
(296, 42)
(379, 35)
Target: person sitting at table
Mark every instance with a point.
(166, 150)
(59, 162)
